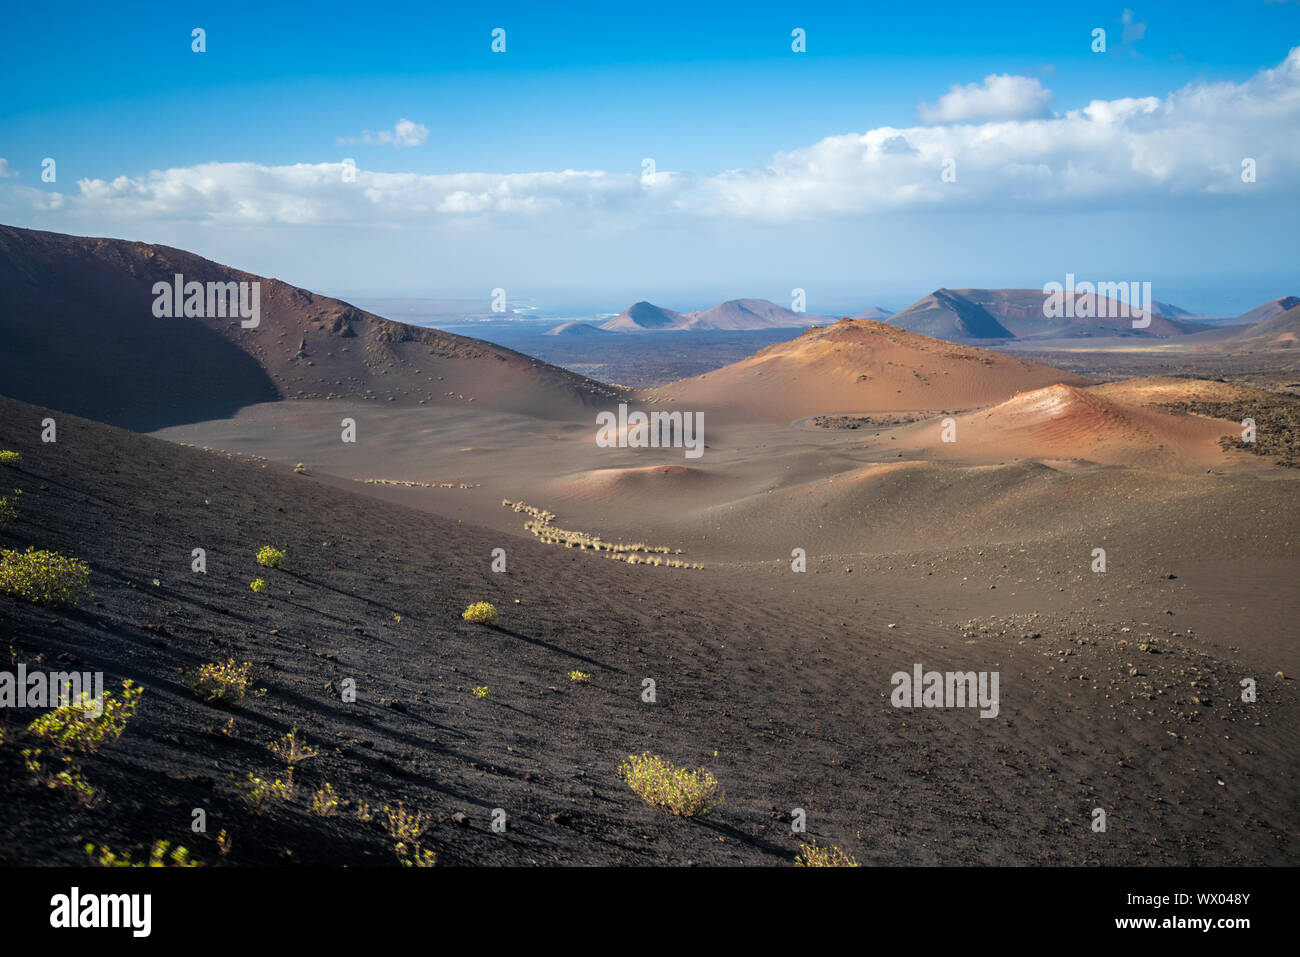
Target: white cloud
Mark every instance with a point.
(999, 97)
(404, 133)
(1176, 150)
(5, 171)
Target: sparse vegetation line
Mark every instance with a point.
(374, 481)
(635, 553)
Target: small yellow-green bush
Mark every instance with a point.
(44, 577)
(70, 780)
(258, 585)
(77, 727)
(260, 793)
(9, 506)
(413, 855)
(8, 457)
(325, 802)
(685, 793)
(581, 677)
(481, 613)
(222, 681)
(810, 855)
(292, 750)
(270, 557)
(403, 825)
(159, 855)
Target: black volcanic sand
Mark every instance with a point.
(1277, 421)
(776, 685)
(1110, 360)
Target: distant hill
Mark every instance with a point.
(575, 328)
(971, 315)
(735, 314)
(947, 315)
(753, 314)
(1267, 311)
(1061, 422)
(80, 335)
(644, 317)
(857, 365)
(1173, 312)
(1282, 331)
(875, 313)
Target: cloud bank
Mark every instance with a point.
(1183, 148)
(999, 97)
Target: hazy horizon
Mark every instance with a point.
(684, 158)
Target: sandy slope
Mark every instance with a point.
(776, 682)
(1157, 390)
(1268, 310)
(859, 365)
(1281, 331)
(1065, 422)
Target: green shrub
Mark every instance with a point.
(481, 613)
(78, 727)
(70, 780)
(9, 506)
(223, 681)
(44, 577)
(260, 794)
(258, 585)
(270, 557)
(810, 855)
(685, 793)
(413, 855)
(325, 801)
(158, 856)
(9, 458)
(292, 750)
(404, 825)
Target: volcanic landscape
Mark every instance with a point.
(869, 499)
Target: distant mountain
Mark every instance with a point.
(81, 334)
(645, 317)
(947, 315)
(1281, 331)
(753, 314)
(1267, 311)
(875, 314)
(570, 329)
(734, 314)
(969, 315)
(1173, 312)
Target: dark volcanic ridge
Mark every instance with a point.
(971, 315)
(77, 319)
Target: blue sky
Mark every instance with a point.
(739, 125)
